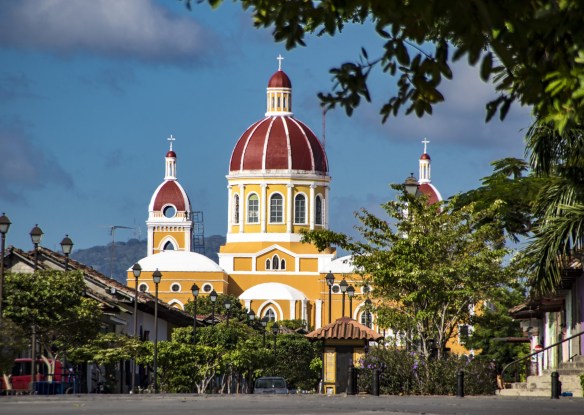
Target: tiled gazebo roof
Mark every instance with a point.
(345, 328)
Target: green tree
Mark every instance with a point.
(427, 264)
(205, 306)
(298, 361)
(558, 159)
(532, 50)
(493, 324)
(53, 302)
(511, 184)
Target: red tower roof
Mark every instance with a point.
(279, 80)
(279, 143)
(171, 193)
(171, 154)
(425, 156)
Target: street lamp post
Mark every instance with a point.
(368, 313)
(213, 297)
(136, 270)
(156, 277)
(351, 294)
(195, 291)
(36, 234)
(264, 322)
(411, 185)
(275, 329)
(330, 280)
(227, 305)
(344, 285)
(251, 317)
(4, 226)
(67, 247)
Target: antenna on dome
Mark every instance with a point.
(112, 229)
(324, 111)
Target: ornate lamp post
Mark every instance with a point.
(213, 297)
(264, 322)
(156, 277)
(36, 234)
(227, 305)
(251, 317)
(351, 294)
(330, 280)
(411, 185)
(368, 313)
(136, 270)
(275, 329)
(67, 247)
(4, 226)
(344, 285)
(195, 291)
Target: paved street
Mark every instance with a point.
(292, 404)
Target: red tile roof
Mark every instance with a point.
(345, 328)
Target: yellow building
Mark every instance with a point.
(278, 184)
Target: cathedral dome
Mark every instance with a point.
(279, 80)
(170, 192)
(431, 192)
(278, 143)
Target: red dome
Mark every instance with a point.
(431, 192)
(279, 80)
(278, 143)
(425, 156)
(171, 154)
(172, 193)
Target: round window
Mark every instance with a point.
(175, 287)
(336, 289)
(207, 288)
(169, 211)
(143, 287)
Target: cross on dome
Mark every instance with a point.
(280, 58)
(425, 142)
(170, 140)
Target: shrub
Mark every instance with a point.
(407, 373)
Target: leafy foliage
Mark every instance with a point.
(427, 264)
(52, 300)
(12, 342)
(533, 51)
(406, 373)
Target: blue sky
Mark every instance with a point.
(90, 90)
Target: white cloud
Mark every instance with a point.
(114, 28)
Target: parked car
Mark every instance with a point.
(270, 384)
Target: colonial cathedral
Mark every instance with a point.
(278, 183)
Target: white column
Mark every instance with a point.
(292, 309)
(318, 315)
(311, 207)
(229, 208)
(247, 305)
(303, 315)
(242, 205)
(325, 207)
(264, 207)
(289, 204)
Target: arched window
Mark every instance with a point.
(276, 208)
(270, 314)
(268, 264)
(283, 264)
(253, 208)
(169, 246)
(367, 319)
(275, 261)
(236, 209)
(300, 209)
(318, 210)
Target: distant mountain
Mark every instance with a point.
(114, 260)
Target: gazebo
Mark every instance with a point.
(344, 343)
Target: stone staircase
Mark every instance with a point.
(542, 385)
